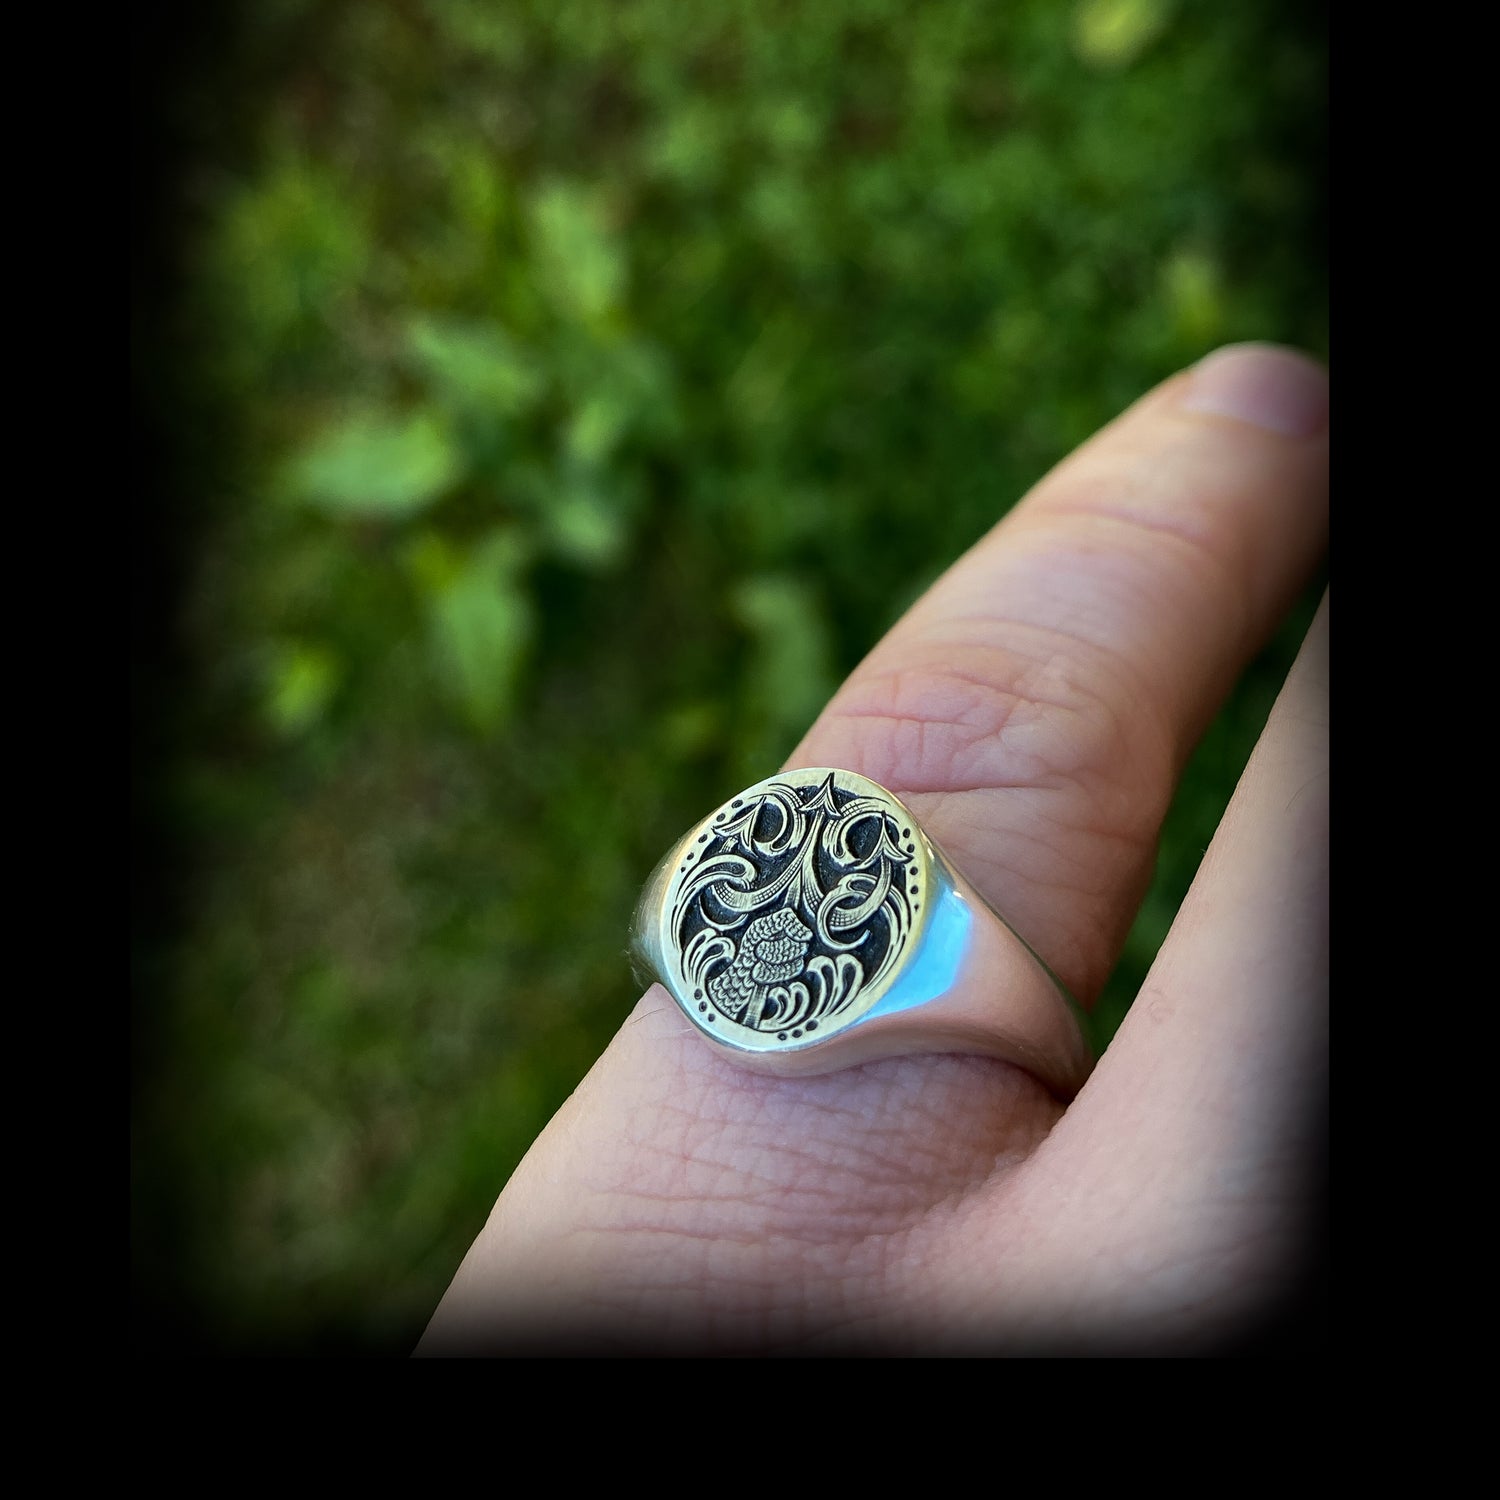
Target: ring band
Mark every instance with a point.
(810, 924)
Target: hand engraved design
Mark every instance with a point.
(772, 951)
(798, 903)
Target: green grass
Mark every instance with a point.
(563, 398)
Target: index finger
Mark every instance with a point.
(1037, 705)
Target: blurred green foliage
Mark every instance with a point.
(572, 392)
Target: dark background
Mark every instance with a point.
(538, 409)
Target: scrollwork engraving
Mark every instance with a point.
(797, 902)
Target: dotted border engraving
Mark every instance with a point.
(791, 903)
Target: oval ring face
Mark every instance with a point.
(792, 907)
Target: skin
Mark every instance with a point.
(1035, 708)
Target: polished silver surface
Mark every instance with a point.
(809, 924)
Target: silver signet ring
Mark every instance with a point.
(810, 924)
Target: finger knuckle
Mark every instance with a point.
(1051, 718)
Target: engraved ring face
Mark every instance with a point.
(789, 910)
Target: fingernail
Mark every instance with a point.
(1267, 386)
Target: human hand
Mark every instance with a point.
(1035, 709)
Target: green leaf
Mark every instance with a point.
(596, 428)
(1112, 34)
(377, 465)
(302, 679)
(693, 145)
(585, 528)
(581, 264)
(475, 366)
(1195, 294)
(482, 628)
